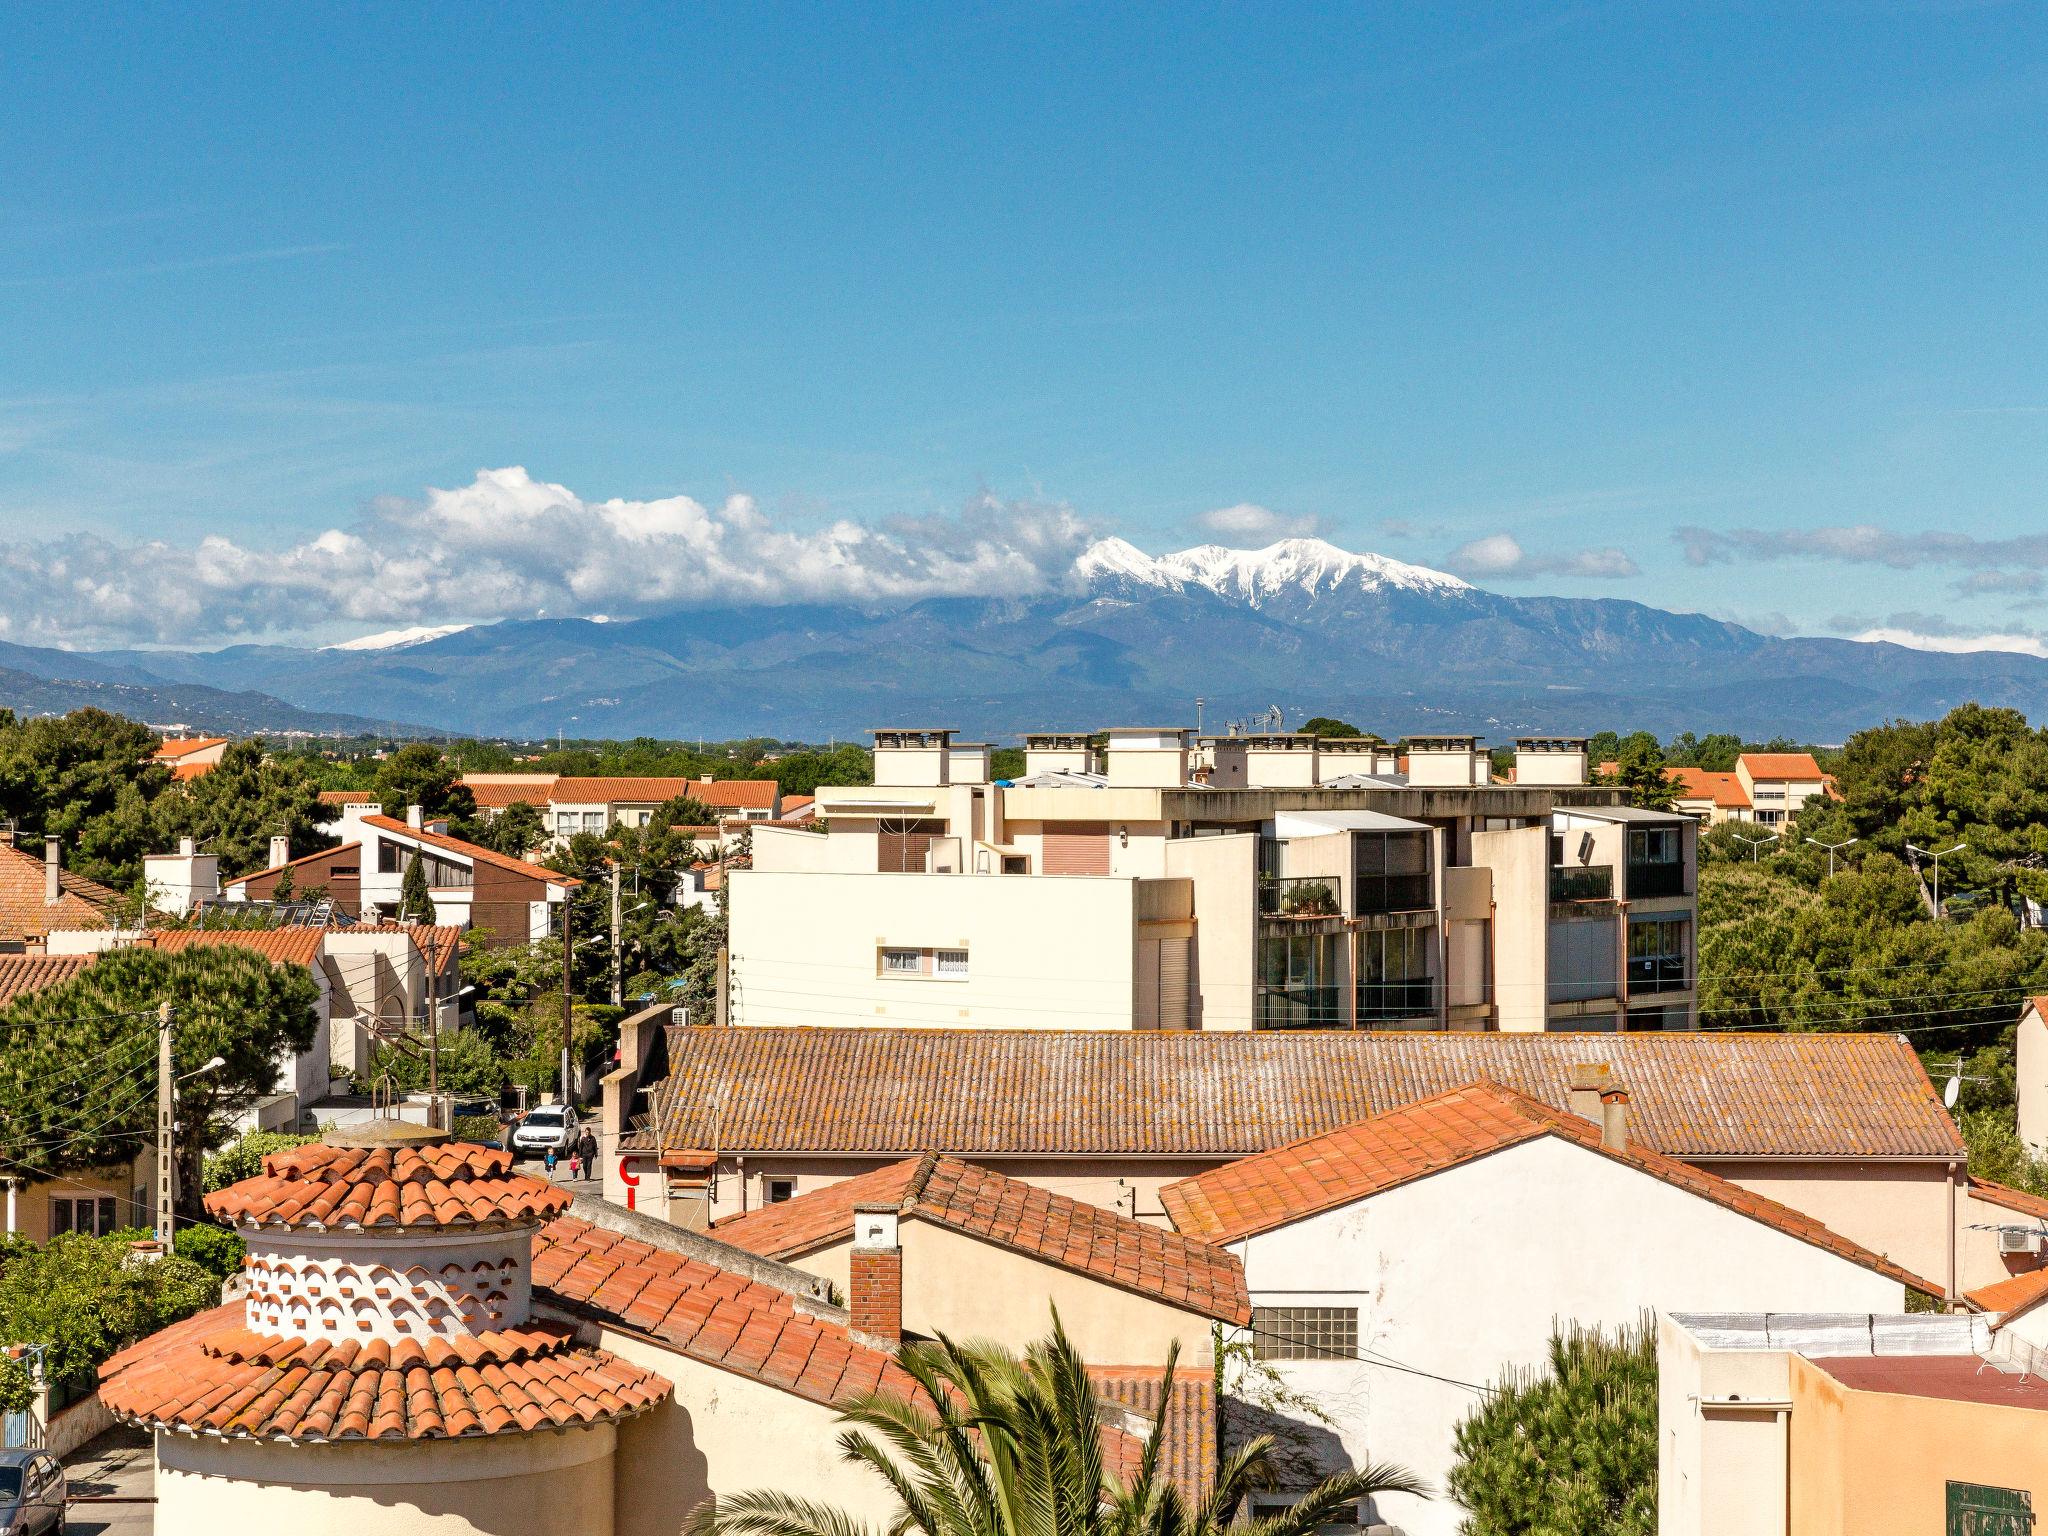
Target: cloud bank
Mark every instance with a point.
(1251, 526)
(1501, 557)
(509, 546)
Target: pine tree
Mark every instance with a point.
(413, 900)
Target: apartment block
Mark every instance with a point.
(1141, 878)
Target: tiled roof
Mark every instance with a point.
(442, 1184)
(348, 797)
(283, 946)
(605, 791)
(2012, 1199)
(1187, 1452)
(81, 903)
(1723, 789)
(1014, 1214)
(184, 773)
(469, 850)
(304, 858)
(1356, 1162)
(2010, 1294)
(1780, 765)
(717, 1316)
(901, 1091)
(210, 1375)
(185, 746)
(495, 797)
(23, 974)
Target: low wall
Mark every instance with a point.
(85, 1420)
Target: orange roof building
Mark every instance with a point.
(39, 896)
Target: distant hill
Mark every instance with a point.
(1130, 637)
(214, 711)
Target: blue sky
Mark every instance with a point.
(1736, 309)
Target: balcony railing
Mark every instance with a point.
(1303, 896)
(1647, 880)
(1395, 893)
(1382, 1001)
(1300, 1008)
(1656, 973)
(1589, 882)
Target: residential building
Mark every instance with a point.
(1375, 1253)
(570, 804)
(511, 901)
(1856, 1424)
(39, 894)
(1778, 784)
(1845, 1128)
(190, 757)
(1266, 882)
(2030, 1061)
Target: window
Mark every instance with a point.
(1656, 954)
(1298, 979)
(94, 1216)
(1654, 862)
(1305, 1333)
(390, 859)
(1391, 872)
(946, 964)
(952, 962)
(902, 962)
(593, 821)
(1393, 975)
(565, 822)
(780, 1190)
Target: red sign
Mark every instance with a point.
(628, 1178)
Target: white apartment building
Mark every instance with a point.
(1236, 883)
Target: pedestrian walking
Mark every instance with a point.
(548, 1162)
(586, 1149)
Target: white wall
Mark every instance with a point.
(1460, 1275)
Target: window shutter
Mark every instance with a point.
(1072, 849)
(1173, 983)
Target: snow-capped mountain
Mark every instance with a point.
(1309, 566)
(398, 639)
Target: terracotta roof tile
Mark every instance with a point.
(2010, 1294)
(1356, 1162)
(210, 1375)
(23, 974)
(2012, 1199)
(1187, 1453)
(495, 797)
(1072, 1234)
(348, 797)
(974, 1093)
(1780, 765)
(283, 946)
(442, 1184)
(184, 746)
(81, 903)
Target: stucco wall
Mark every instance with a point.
(1225, 874)
(1977, 1241)
(1520, 864)
(1901, 1210)
(31, 1201)
(1460, 1275)
(2031, 1066)
(503, 1485)
(1879, 1464)
(805, 946)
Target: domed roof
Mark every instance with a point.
(394, 1182)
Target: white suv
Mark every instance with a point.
(549, 1125)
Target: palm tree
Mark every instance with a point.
(995, 1445)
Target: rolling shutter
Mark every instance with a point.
(1072, 849)
(1173, 983)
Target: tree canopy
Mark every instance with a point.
(88, 778)
(420, 774)
(85, 1299)
(236, 807)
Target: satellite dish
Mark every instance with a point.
(1953, 1091)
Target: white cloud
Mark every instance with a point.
(1501, 556)
(2025, 645)
(1249, 524)
(509, 546)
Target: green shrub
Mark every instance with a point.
(243, 1159)
(214, 1249)
(477, 1128)
(87, 1297)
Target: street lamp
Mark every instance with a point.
(1937, 857)
(1756, 842)
(1833, 849)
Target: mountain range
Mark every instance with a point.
(1301, 626)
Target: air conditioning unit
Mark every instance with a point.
(2018, 1240)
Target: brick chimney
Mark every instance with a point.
(53, 863)
(874, 1281)
(280, 851)
(1614, 1118)
(1589, 1079)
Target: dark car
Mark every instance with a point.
(32, 1493)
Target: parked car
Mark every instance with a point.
(32, 1493)
(549, 1125)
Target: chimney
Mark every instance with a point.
(1614, 1118)
(280, 851)
(1589, 1080)
(413, 816)
(187, 847)
(874, 1279)
(53, 861)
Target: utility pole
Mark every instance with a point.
(618, 947)
(568, 965)
(165, 1126)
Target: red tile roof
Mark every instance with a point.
(495, 797)
(1356, 1162)
(185, 746)
(471, 851)
(348, 797)
(282, 946)
(23, 974)
(1013, 1214)
(2012, 1199)
(717, 1316)
(1722, 789)
(81, 903)
(1187, 1452)
(304, 858)
(2011, 1294)
(1956, 1378)
(985, 1093)
(447, 1184)
(183, 773)
(210, 1375)
(1780, 765)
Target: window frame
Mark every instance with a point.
(1319, 1333)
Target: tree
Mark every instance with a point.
(1571, 1451)
(243, 1157)
(235, 808)
(78, 1060)
(516, 830)
(84, 1299)
(88, 778)
(413, 898)
(418, 774)
(1323, 725)
(1641, 772)
(997, 1444)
